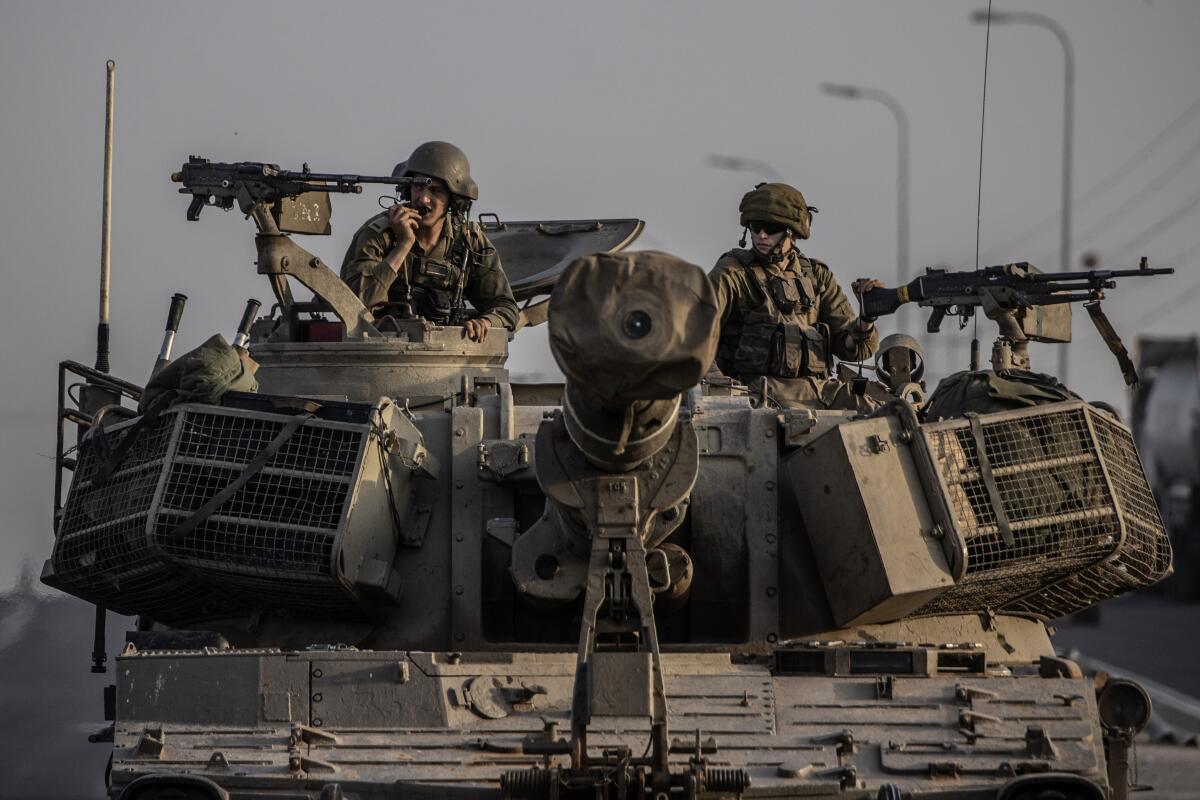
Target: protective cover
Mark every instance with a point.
(201, 375)
(534, 253)
(615, 330)
(985, 391)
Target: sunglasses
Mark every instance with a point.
(769, 228)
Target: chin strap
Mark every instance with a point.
(777, 254)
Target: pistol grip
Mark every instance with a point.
(935, 319)
(193, 212)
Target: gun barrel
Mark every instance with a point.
(330, 177)
(1094, 276)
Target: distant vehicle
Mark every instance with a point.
(1166, 423)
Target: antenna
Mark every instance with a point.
(95, 396)
(987, 41)
(106, 224)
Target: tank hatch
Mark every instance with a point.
(535, 252)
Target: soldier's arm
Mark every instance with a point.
(853, 339)
(489, 291)
(366, 268)
(725, 278)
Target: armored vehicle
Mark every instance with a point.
(393, 572)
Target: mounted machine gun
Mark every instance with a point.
(1027, 304)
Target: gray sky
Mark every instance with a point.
(567, 110)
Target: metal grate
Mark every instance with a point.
(1082, 523)
(274, 542)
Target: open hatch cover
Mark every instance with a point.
(534, 253)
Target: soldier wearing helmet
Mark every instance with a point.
(427, 251)
(783, 316)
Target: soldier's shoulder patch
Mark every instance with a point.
(377, 223)
(477, 237)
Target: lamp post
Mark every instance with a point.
(1042, 21)
(902, 152)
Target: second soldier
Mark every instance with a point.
(783, 315)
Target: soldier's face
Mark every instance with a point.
(435, 198)
(765, 241)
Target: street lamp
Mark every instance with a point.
(1041, 20)
(863, 93)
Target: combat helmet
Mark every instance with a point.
(445, 162)
(779, 203)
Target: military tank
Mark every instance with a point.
(393, 572)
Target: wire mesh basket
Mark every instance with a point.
(278, 541)
(1051, 510)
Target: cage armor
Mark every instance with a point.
(780, 336)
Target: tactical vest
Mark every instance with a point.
(439, 284)
(777, 334)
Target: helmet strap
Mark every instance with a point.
(776, 255)
(742, 241)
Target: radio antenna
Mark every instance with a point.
(106, 225)
(99, 396)
(987, 41)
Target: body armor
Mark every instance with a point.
(780, 337)
(438, 282)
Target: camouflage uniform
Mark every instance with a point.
(435, 275)
(782, 323)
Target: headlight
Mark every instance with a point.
(1124, 706)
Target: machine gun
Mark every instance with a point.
(252, 183)
(282, 202)
(1008, 286)
(1027, 304)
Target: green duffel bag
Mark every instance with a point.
(202, 375)
(985, 391)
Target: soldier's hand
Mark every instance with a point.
(863, 285)
(476, 329)
(403, 222)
